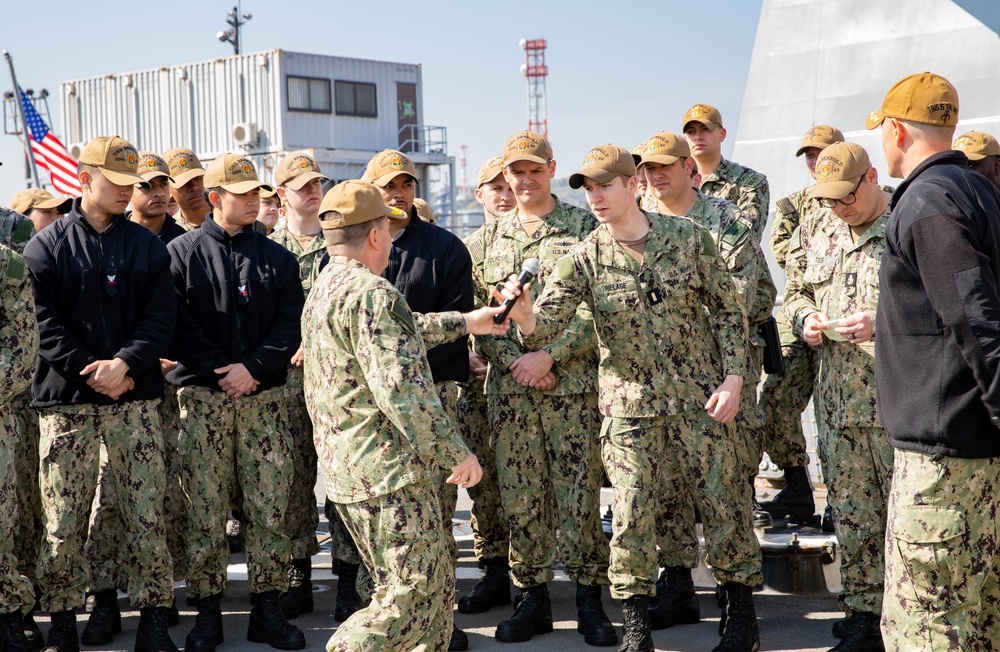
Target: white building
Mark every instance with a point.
(265, 104)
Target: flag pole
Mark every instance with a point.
(24, 124)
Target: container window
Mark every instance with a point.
(356, 98)
(308, 94)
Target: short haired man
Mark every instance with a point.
(832, 275)
(664, 308)
(105, 544)
(491, 535)
(742, 186)
(39, 206)
(937, 371)
(431, 267)
(270, 210)
(105, 316)
(667, 165)
(19, 335)
(382, 434)
(187, 187)
(543, 408)
(983, 152)
(300, 188)
(239, 304)
(785, 396)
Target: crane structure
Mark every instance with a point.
(464, 191)
(535, 71)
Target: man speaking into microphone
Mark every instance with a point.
(543, 407)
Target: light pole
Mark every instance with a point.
(236, 19)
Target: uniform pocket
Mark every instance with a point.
(931, 542)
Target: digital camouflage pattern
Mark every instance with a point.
(383, 440)
(302, 517)
(791, 210)
(447, 392)
(941, 576)
(669, 330)
(28, 533)
(18, 348)
(532, 428)
(15, 230)
(744, 187)
(70, 442)
(828, 272)
(243, 440)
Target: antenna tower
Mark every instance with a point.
(535, 71)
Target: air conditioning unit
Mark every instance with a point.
(75, 149)
(245, 134)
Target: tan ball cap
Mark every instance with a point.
(387, 165)
(183, 164)
(664, 148)
(924, 97)
(977, 145)
(233, 173)
(32, 198)
(116, 158)
(838, 168)
(424, 210)
(706, 114)
(820, 137)
(489, 170)
(527, 146)
(152, 166)
(296, 170)
(354, 202)
(602, 164)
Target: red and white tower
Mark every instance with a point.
(535, 71)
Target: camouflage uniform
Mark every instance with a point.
(732, 233)
(744, 187)
(18, 348)
(491, 536)
(545, 441)
(247, 439)
(669, 330)
(382, 436)
(302, 517)
(829, 273)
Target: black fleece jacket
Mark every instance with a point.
(239, 300)
(99, 296)
(937, 344)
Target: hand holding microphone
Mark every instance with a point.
(528, 271)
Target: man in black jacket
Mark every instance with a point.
(105, 316)
(239, 303)
(433, 270)
(937, 365)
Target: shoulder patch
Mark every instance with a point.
(708, 244)
(795, 242)
(565, 268)
(785, 206)
(475, 247)
(735, 234)
(402, 314)
(15, 266)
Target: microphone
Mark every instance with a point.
(528, 271)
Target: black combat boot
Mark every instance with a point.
(761, 519)
(12, 637)
(795, 501)
(62, 633)
(861, 634)
(676, 603)
(459, 641)
(32, 633)
(152, 634)
(267, 625)
(105, 620)
(636, 635)
(348, 600)
(838, 627)
(493, 590)
(828, 525)
(591, 621)
(533, 615)
(740, 633)
(207, 630)
(298, 599)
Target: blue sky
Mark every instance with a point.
(618, 71)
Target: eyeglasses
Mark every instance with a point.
(826, 202)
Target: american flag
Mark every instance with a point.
(49, 152)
